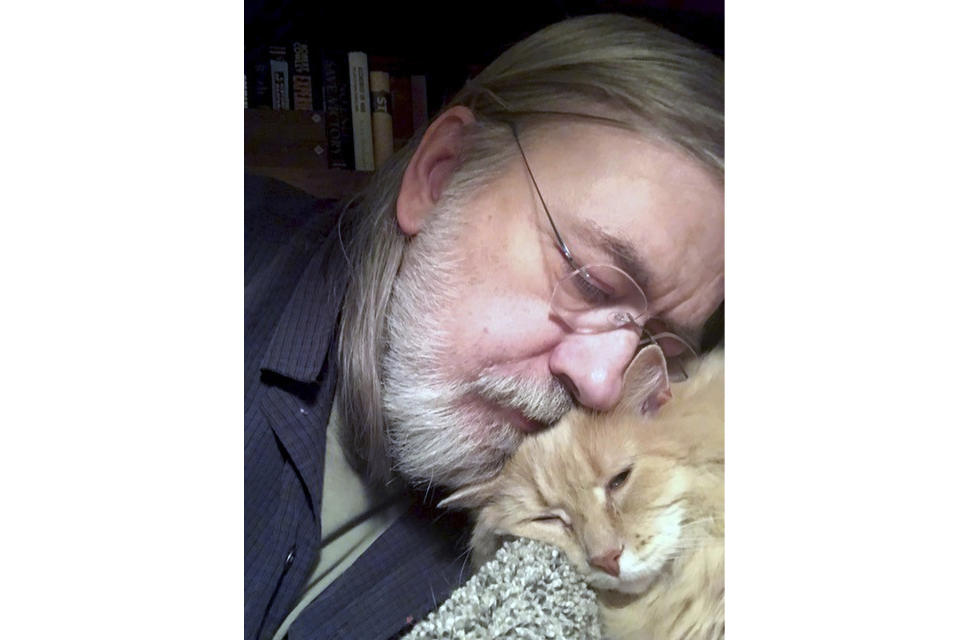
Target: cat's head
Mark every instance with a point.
(621, 493)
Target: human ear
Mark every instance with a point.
(430, 167)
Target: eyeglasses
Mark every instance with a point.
(601, 297)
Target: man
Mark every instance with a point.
(511, 261)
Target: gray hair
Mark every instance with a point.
(619, 70)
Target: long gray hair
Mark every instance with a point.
(620, 70)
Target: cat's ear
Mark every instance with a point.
(471, 496)
(646, 386)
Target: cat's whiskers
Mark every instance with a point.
(465, 556)
(690, 542)
(660, 507)
(699, 521)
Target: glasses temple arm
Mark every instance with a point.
(560, 243)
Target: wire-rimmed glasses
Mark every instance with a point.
(596, 298)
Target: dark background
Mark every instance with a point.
(423, 30)
(444, 40)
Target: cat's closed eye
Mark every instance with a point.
(553, 517)
(617, 481)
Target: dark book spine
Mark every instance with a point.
(302, 80)
(400, 95)
(258, 77)
(336, 105)
(419, 101)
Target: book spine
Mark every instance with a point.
(302, 81)
(402, 110)
(279, 78)
(381, 117)
(336, 106)
(360, 111)
(258, 77)
(418, 101)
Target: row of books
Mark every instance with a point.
(368, 112)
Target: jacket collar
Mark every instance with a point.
(302, 340)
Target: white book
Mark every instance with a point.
(279, 78)
(360, 104)
(381, 114)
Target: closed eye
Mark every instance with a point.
(591, 289)
(546, 519)
(553, 517)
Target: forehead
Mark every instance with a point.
(650, 198)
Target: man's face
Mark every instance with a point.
(475, 359)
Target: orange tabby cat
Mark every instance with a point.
(635, 501)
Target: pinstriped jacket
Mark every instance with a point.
(294, 281)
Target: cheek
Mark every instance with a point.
(495, 327)
(501, 312)
(639, 526)
(640, 534)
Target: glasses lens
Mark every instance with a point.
(598, 298)
(682, 359)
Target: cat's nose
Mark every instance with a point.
(592, 366)
(608, 562)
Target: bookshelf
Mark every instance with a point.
(409, 39)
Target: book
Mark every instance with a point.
(257, 65)
(418, 101)
(380, 116)
(400, 98)
(302, 80)
(279, 78)
(336, 107)
(360, 111)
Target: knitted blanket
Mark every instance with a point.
(528, 590)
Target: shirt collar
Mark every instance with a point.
(303, 337)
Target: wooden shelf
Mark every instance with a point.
(322, 183)
(292, 146)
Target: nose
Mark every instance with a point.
(608, 562)
(592, 365)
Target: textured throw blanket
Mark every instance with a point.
(528, 590)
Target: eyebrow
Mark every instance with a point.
(624, 255)
(627, 258)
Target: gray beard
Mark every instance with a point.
(434, 437)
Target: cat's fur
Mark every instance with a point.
(666, 516)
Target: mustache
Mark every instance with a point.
(545, 401)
